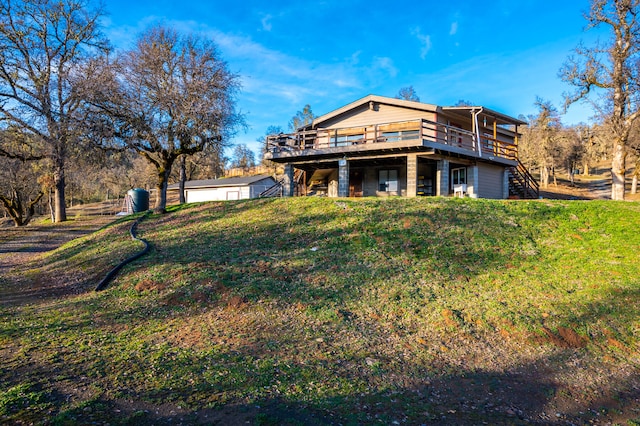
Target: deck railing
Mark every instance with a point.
(522, 183)
(418, 130)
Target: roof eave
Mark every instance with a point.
(503, 118)
(367, 99)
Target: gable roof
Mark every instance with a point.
(420, 106)
(221, 183)
(372, 98)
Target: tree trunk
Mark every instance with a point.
(161, 186)
(585, 166)
(636, 174)
(59, 185)
(544, 176)
(20, 214)
(618, 166)
(51, 209)
(13, 207)
(161, 197)
(183, 177)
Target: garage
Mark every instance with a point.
(225, 189)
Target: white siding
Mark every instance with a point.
(223, 193)
(217, 194)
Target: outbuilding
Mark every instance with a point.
(234, 188)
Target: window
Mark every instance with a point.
(388, 180)
(488, 141)
(459, 176)
(346, 140)
(401, 135)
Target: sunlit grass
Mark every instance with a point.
(332, 305)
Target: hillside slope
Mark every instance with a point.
(321, 311)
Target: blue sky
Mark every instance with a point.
(500, 54)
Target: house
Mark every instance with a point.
(379, 146)
(235, 188)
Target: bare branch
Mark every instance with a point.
(166, 98)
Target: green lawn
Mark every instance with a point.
(325, 311)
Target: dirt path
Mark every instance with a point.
(582, 189)
(22, 246)
(600, 189)
(19, 245)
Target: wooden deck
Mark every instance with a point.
(419, 135)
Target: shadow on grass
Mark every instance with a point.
(355, 243)
(357, 251)
(528, 394)
(65, 271)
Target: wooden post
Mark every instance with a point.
(495, 136)
(515, 141)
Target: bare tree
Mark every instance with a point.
(540, 141)
(634, 148)
(209, 162)
(408, 94)
(614, 69)
(42, 43)
(271, 130)
(20, 171)
(170, 96)
(463, 103)
(20, 192)
(593, 147)
(243, 157)
(570, 151)
(302, 118)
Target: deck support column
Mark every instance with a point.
(442, 178)
(412, 175)
(343, 178)
(287, 181)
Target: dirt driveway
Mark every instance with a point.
(20, 246)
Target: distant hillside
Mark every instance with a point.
(336, 311)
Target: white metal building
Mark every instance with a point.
(235, 188)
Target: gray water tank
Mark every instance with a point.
(139, 200)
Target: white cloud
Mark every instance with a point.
(385, 64)
(425, 41)
(266, 22)
(498, 82)
(124, 37)
(275, 83)
(275, 66)
(354, 59)
(454, 28)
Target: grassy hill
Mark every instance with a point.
(324, 311)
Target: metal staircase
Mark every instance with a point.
(277, 190)
(522, 184)
(274, 190)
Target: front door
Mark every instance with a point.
(355, 183)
